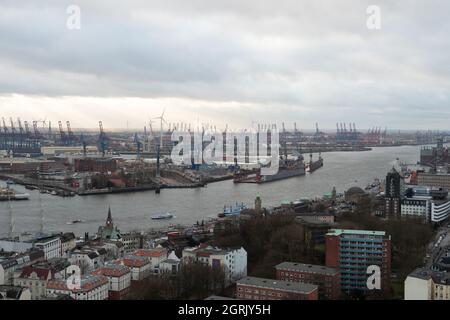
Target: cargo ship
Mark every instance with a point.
(288, 168)
(232, 211)
(7, 194)
(314, 165)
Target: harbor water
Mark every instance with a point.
(133, 211)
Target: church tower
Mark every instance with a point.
(109, 220)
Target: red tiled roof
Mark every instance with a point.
(88, 283)
(112, 270)
(42, 273)
(134, 261)
(155, 253)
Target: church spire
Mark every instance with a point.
(109, 220)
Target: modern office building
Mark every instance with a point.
(428, 203)
(353, 251)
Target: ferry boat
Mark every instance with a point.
(232, 211)
(7, 194)
(163, 216)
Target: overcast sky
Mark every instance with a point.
(233, 61)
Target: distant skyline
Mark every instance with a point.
(227, 62)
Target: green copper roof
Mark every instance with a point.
(338, 232)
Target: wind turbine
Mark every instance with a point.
(162, 120)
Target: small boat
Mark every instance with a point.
(11, 195)
(9, 182)
(75, 221)
(21, 196)
(163, 216)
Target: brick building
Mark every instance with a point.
(327, 279)
(353, 251)
(251, 288)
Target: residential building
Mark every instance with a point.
(155, 256)
(252, 288)
(425, 284)
(139, 266)
(91, 287)
(36, 280)
(327, 279)
(14, 293)
(171, 264)
(68, 243)
(132, 241)
(50, 245)
(119, 277)
(88, 259)
(9, 265)
(233, 261)
(353, 251)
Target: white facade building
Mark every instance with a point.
(51, 247)
(119, 277)
(425, 284)
(440, 210)
(233, 261)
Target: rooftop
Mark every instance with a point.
(294, 266)
(112, 270)
(88, 283)
(338, 232)
(297, 287)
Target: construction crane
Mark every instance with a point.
(138, 146)
(102, 139)
(21, 131)
(71, 138)
(62, 133)
(13, 133)
(27, 129)
(50, 134)
(84, 144)
(37, 134)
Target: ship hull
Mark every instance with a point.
(282, 174)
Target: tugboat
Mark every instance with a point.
(232, 211)
(163, 216)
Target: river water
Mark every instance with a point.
(132, 211)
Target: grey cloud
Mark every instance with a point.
(307, 58)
